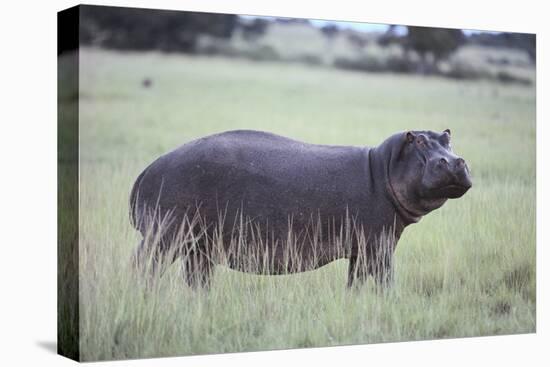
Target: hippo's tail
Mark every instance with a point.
(134, 197)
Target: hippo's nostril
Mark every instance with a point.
(460, 163)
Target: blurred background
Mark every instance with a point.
(452, 53)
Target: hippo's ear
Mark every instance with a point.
(446, 136)
(409, 137)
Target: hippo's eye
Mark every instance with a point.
(421, 141)
(443, 161)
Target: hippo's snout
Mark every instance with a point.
(462, 173)
(462, 182)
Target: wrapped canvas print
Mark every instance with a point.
(233, 183)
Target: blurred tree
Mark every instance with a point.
(330, 30)
(254, 29)
(527, 42)
(438, 43)
(390, 37)
(522, 41)
(147, 29)
(292, 21)
(358, 40)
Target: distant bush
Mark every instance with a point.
(361, 64)
(456, 68)
(501, 61)
(506, 77)
(521, 41)
(461, 69)
(218, 47)
(150, 29)
(392, 63)
(399, 64)
(260, 53)
(212, 46)
(308, 59)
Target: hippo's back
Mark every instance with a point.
(261, 153)
(261, 174)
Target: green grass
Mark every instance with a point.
(467, 269)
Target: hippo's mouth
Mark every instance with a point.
(455, 191)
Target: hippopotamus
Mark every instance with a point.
(274, 205)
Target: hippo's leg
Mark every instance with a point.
(383, 275)
(152, 259)
(374, 261)
(197, 268)
(381, 268)
(145, 259)
(357, 271)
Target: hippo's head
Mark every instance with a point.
(426, 172)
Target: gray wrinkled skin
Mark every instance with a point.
(281, 185)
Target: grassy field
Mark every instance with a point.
(467, 269)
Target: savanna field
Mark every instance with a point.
(467, 269)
